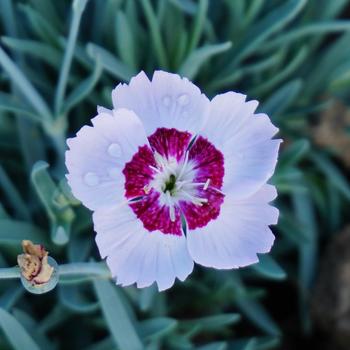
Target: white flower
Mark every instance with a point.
(174, 178)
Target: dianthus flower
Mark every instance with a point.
(175, 178)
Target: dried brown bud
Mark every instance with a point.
(33, 263)
(33, 249)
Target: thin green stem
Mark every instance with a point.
(67, 270)
(13, 195)
(83, 268)
(10, 272)
(78, 8)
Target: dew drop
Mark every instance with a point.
(166, 100)
(91, 179)
(183, 100)
(114, 173)
(114, 150)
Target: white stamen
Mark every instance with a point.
(184, 164)
(195, 200)
(159, 159)
(172, 213)
(206, 185)
(171, 206)
(217, 190)
(154, 169)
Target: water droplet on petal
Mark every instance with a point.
(114, 150)
(114, 173)
(183, 100)
(166, 100)
(91, 179)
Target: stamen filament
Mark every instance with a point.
(155, 169)
(206, 185)
(170, 205)
(184, 164)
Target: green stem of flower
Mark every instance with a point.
(73, 269)
(78, 8)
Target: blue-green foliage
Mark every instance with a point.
(59, 59)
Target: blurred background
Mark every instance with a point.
(59, 59)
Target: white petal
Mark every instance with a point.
(244, 138)
(238, 234)
(103, 110)
(167, 101)
(98, 154)
(135, 255)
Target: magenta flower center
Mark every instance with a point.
(176, 180)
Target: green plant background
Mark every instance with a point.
(59, 59)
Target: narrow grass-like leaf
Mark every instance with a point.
(268, 267)
(198, 24)
(15, 333)
(56, 205)
(105, 344)
(270, 24)
(338, 53)
(310, 29)
(8, 103)
(280, 100)
(292, 65)
(125, 40)
(197, 58)
(243, 344)
(340, 79)
(110, 63)
(8, 17)
(253, 11)
(37, 49)
(13, 232)
(12, 294)
(294, 153)
(157, 328)
(253, 310)
(24, 86)
(14, 198)
(307, 252)
(332, 173)
(31, 327)
(214, 346)
(75, 300)
(147, 296)
(258, 315)
(267, 343)
(188, 6)
(78, 8)
(118, 321)
(41, 26)
(83, 89)
(212, 323)
(49, 11)
(248, 69)
(155, 33)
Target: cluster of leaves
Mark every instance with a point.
(59, 59)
